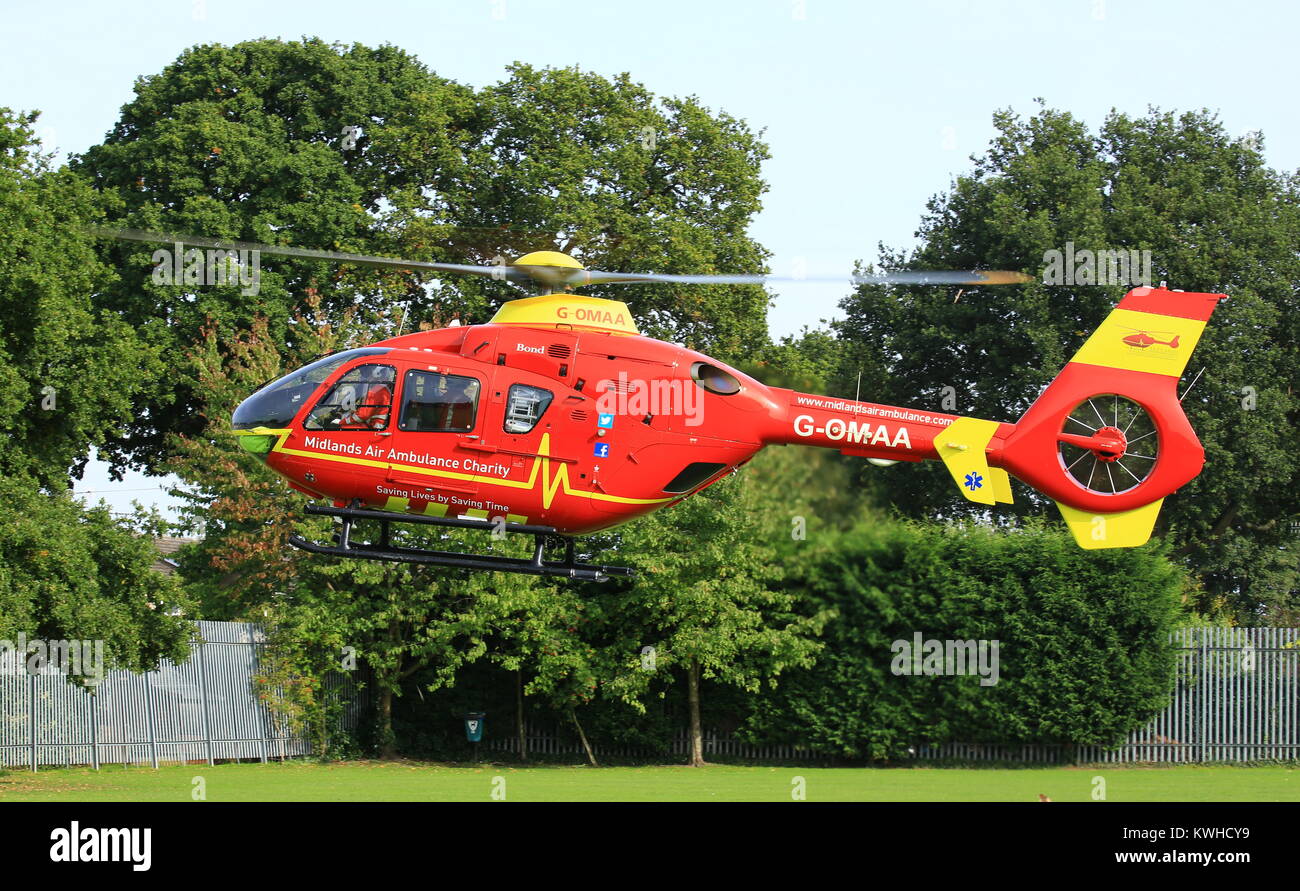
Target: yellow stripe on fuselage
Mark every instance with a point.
(541, 465)
(1106, 346)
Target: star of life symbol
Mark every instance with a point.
(973, 481)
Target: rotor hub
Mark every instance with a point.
(549, 258)
(1109, 444)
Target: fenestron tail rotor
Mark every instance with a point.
(559, 271)
(1109, 444)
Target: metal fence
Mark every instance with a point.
(204, 710)
(1236, 697)
(553, 741)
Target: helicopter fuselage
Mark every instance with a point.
(576, 427)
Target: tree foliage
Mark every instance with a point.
(396, 619)
(67, 376)
(67, 573)
(1083, 640)
(1214, 217)
(67, 370)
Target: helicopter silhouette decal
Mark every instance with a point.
(1143, 340)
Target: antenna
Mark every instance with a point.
(858, 392)
(1192, 384)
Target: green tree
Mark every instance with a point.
(397, 619)
(67, 375)
(630, 182)
(706, 602)
(1215, 218)
(249, 142)
(67, 573)
(67, 371)
(811, 362)
(1083, 640)
(559, 642)
(253, 142)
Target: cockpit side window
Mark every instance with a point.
(438, 403)
(362, 399)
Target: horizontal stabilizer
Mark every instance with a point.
(1126, 529)
(963, 447)
(1001, 482)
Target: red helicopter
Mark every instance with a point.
(558, 418)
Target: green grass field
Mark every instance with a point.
(422, 781)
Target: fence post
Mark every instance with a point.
(94, 724)
(258, 707)
(1203, 682)
(31, 714)
(148, 710)
(199, 653)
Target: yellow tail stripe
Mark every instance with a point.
(1106, 346)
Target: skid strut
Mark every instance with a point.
(344, 546)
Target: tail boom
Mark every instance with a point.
(979, 454)
(890, 433)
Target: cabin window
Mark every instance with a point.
(525, 406)
(361, 400)
(438, 403)
(693, 475)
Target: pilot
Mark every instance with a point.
(375, 407)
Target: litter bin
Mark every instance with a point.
(474, 726)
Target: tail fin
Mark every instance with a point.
(1080, 443)
(963, 448)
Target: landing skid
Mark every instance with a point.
(344, 546)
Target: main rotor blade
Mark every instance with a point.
(900, 277)
(497, 272)
(561, 276)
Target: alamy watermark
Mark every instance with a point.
(1106, 267)
(947, 657)
(214, 267)
(641, 398)
(78, 658)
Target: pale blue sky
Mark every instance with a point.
(869, 108)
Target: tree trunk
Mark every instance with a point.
(586, 746)
(693, 697)
(387, 742)
(519, 715)
(323, 735)
(387, 682)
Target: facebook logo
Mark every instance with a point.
(602, 450)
